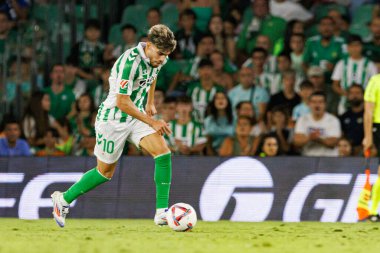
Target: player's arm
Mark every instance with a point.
(125, 104)
(150, 109)
(368, 121)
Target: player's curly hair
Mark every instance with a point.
(162, 37)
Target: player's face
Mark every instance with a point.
(243, 127)
(12, 132)
(221, 101)
(270, 146)
(317, 105)
(45, 103)
(156, 56)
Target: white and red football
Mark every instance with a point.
(181, 217)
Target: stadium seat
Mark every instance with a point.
(360, 29)
(79, 11)
(114, 35)
(135, 15)
(170, 16)
(149, 3)
(44, 13)
(323, 9)
(363, 14)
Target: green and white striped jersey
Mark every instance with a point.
(190, 134)
(131, 75)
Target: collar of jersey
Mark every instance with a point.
(140, 48)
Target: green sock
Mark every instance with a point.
(375, 197)
(89, 181)
(162, 178)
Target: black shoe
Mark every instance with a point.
(374, 218)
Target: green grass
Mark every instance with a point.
(94, 235)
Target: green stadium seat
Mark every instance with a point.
(149, 3)
(360, 29)
(363, 14)
(114, 35)
(44, 12)
(135, 15)
(79, 11)
(323, 9)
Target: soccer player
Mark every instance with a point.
(121, 117)
(372, 136)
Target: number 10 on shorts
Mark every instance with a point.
(108, 146)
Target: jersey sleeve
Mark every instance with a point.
(372, 89)
(127, 75)
(338, 72)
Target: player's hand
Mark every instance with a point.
(150, 109)
(161, 127)
(367, 143)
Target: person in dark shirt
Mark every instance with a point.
(352, 120)
(372, 48)
(287, 98)
(12, 145)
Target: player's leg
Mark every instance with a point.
(156, 146)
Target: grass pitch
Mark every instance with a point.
(95, 235)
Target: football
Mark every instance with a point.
(181, 217)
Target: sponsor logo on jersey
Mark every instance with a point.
(123, 84)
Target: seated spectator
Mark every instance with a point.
(270, 65)
(372, 48)
(306, 89)
(19, 75)
(221, 77)
(159, 97)
(352, 69)
(153, 17)
(260, 22)
(203, 10)
(317, 133)
(342, 24)
(219, 123)
(66, 138)
(245, 108)
(129, 35)
(100, 92)
(293, 27)
(242, 143)
(72, 82)
(12, 145)
(296, 48)
(247, 90)
(324, 50)
(344, 147)
(269, 146)
(188, 35)
(287, 97)
(88, 53)
(203, 92)
(169, 109)
(82, 125)
(352, 119)
(187, 135)
(50, 142)
(61, 99)
(279, 127)
(36, 119)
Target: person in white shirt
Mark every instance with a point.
(354, 69)
(317, 133)
(289, 10)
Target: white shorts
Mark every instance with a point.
(112, 135)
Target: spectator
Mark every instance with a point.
(153, 17)
(203, 9)
(66, 138)
(344, 147)
(188, 35)
(88, 53)
(17, 10)
(247, 90)
(289, 10)
(287, 97)
(341, 24)
(324, 50)
(19, 75)
(12, 145)
(159, 97)
(129, 35)
(242, 143)
(317, 133)
(219, 123)
(352, 119)
(353, 69)
(279, 126)
(36, 119)
(100, 93)
(187, 135)
(269, 146)
(372, 48)
(203, 92)
(225, 45)
(270, 64)
(245, 108)
(283, 44)
(72, 82)
(82, 125)
(169, 109)
(262, 23)
(306, 89)
(297, 45)
(220, 77)
(50, 141)
(62, 100)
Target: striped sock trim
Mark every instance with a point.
(103, 175)
(158, 156)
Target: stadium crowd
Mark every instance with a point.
(262, 77)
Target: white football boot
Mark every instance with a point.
(60, 208)
(160, 217)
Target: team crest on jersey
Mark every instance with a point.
(123, 84)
